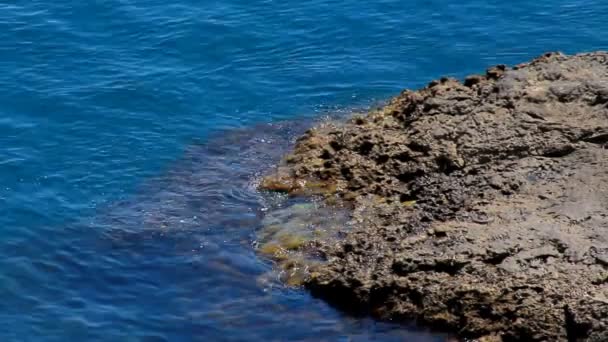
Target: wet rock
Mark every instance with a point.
(478, 207)
(288, 234)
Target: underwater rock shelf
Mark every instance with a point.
(480, 207)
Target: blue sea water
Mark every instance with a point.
(132, 131)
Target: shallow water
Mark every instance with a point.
(126, 201)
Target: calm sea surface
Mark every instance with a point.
(132, 132)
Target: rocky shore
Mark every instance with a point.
(478, 206)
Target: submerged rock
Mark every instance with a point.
(478, 207)
(288, 237)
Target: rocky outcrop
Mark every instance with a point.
(479, 206)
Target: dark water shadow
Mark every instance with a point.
(175, 261)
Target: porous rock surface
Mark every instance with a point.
(479, 207)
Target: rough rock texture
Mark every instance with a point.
(480, 206)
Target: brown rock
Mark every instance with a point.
(478, 207)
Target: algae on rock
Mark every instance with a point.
(288, 235)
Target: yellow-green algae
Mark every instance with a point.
(287, 235)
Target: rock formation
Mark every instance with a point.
(479, 207)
